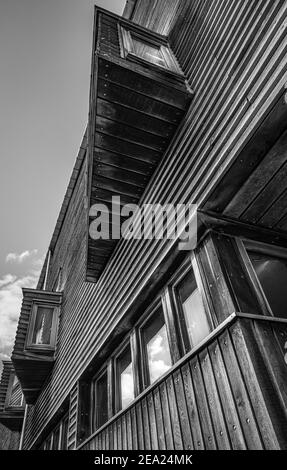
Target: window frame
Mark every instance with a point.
(128, 52)
(149, 313)
(31, 326)
(104, 370)
(189, 266)
(48, 442)
(245, 245)
(117, 388)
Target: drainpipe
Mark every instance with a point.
(23, 428)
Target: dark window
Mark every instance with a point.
(64, 440)
(48, 443)
(56, 439)
(125, 378)
(156, 347)
(272, 274)
(101, 400)
(196, 321)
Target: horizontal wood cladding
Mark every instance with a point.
(231, 394)
(32, 367)
(135, 112)
(229, 51)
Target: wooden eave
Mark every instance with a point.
(252, 191)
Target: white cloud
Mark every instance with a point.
(7, 279)
(10, 305)
(19, 258)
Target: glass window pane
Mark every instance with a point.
(48, 443)
(56, 439)
(126, 379)
(157, 347)
(43, 326)
(149, 52)
(195, 317)
(101, 400)
(272, 274)
(64, 440)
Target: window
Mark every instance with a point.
(42, 327)
(125, 379)
(176, 322)
(58, 438)
(271, 271)
(148, 49)
(155, 347)
(196, 322)
(64, 434)
(16, 397)
(149, 52)
(100, 400)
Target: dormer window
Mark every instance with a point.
(137, 46)
(43, 326)
(35, 345)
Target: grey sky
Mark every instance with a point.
(45, 54)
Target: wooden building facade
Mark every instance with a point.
(136, 344)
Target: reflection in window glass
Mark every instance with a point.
(272, 274)
(195, 317)
(149, 52)
(126, 379)
(156, 346)
(43, 326)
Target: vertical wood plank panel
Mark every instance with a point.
(182, 411)
(159, 419)
(227, 400)
(192, 409)
(166, 416)
(203, 408)
(176, 429)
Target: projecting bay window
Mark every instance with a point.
(43, 327)
(269, 273)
